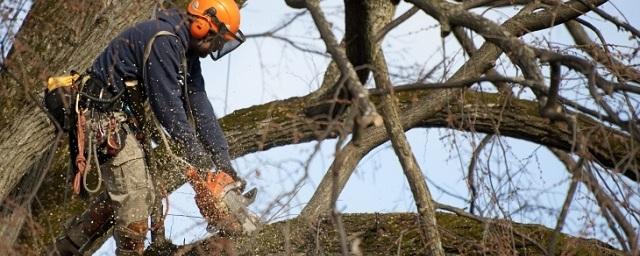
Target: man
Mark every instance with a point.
(155, 61)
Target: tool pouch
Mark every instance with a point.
(59, 99)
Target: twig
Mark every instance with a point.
(394, 23)
(635, 32)
(470, 171)
(563, 212)
(601, 55)
(278, 28)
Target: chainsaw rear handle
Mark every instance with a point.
(215, 185)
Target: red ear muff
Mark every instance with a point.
(199, 28)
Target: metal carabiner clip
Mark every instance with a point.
(77, 105)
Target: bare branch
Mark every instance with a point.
(519, 53)
(272, 33)
(338, 174)
(600, 54)
(461, 83)
(604, 201)
(564, 210)
(492, 3)
(295, 45)
(394, 23)
(634, 31)
(471, 170)
(278, 28)
(412, 171)
(347, 158)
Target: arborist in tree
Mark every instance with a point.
(149, 78)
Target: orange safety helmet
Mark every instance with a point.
(212, 13)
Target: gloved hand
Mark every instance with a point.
(221, 203)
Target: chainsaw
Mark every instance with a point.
(222, 203)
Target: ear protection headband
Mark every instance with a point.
(200, 28)
(201, 25)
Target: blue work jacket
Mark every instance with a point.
(122, 60)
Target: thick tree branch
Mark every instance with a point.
(365, 112)
(412, 171)
(379, 14)
(486, 221)
(350, 155)
(470, 48)
(396, 233)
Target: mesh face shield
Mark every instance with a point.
(230, 43)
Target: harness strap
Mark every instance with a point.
(183, 64)
(151, 117)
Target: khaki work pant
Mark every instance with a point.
(129, 183)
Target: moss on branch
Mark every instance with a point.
(398, 233)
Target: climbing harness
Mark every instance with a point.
(71, 99)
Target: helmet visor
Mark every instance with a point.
(230, 43)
